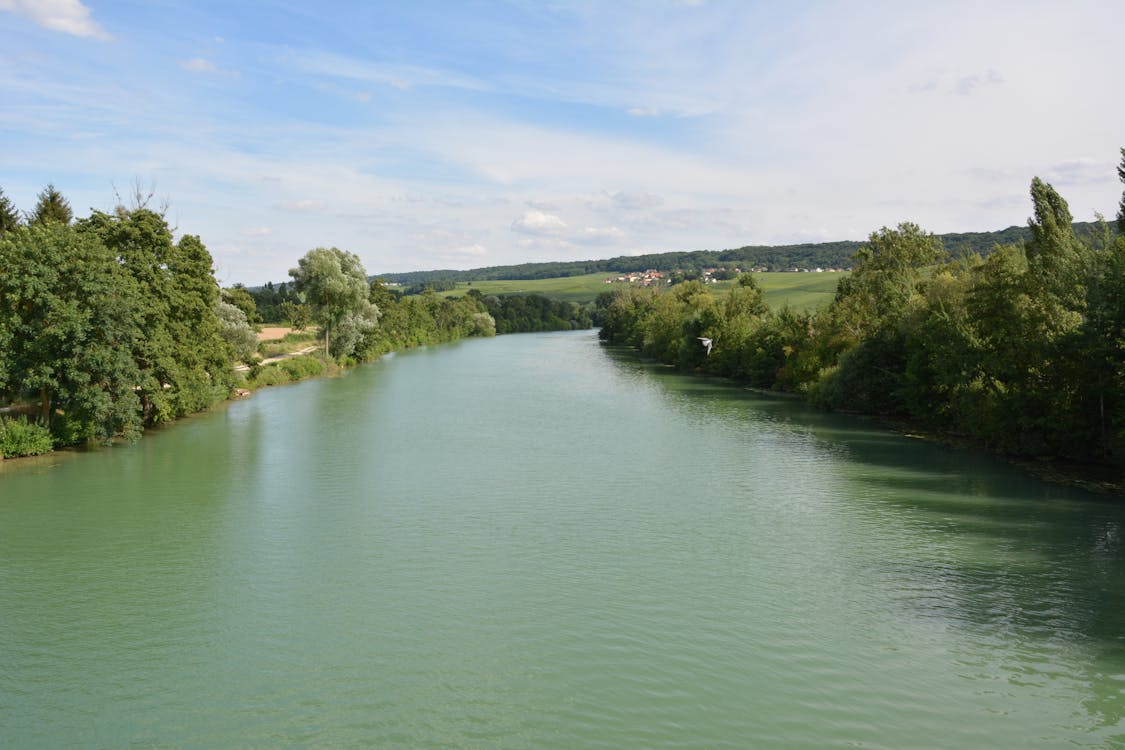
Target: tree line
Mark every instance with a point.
(1022, 350)
(109, 325)
(806, 256)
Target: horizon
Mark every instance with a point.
(453, 136)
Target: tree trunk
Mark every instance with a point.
(45, 409)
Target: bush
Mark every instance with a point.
(286, 371)
(20, 438)
(269, 375)
(299, 368)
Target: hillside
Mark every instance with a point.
(769, 257)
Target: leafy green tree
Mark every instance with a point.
(185, 364)
(68, 332)
(236, 331)
(335, 286)
(297, 315)
(887, 273)
(1097, 363)
(734, 326)
(861, 346)
(9, 217)
(1121, 205)
(483, 325)
(1057, 259)
(240, 298)
(1027, 307)
(52, 207)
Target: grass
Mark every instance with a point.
(291, 342)
(289, 370)
(802, 291)
(580, 289)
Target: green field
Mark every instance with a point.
(802, 291)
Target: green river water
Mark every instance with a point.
(537, 542)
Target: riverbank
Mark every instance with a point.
(1100, 479)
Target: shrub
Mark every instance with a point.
(269, 375)
(288, 370)
(299, 368)
(20, 438)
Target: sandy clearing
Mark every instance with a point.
(273, 333)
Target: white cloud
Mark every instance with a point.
(67, 16)
(538, 223)
(203, 65)
(257, 232)
(599, 236)
(199, 65)
(400, 76)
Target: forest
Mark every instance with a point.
(1022, 351)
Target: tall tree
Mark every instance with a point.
(1121, 206)
(9, 217)
(335, 285)
(67, 331)
(1027, 306)
(52, 207)
(183, 360)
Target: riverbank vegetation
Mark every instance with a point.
(1022, 351)
(108, 325)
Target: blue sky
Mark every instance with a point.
(429, 134)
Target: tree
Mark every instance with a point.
(240, 298)
(1121, 205)
(887, 273)
(183, 360)
(236, 331)
(67, 332)
(9, 217)
(297, 315)
(861, 345)
(1027, 308)
(51, 208)
(335, 286)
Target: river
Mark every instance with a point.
(534, 541)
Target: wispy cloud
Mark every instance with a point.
(539, 223)
(204, 65)
(397, 75)
(1081, 171)
(66, 16)
(199, 65)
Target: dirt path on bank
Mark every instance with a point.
(279, 357)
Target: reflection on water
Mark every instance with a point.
(536, 541)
